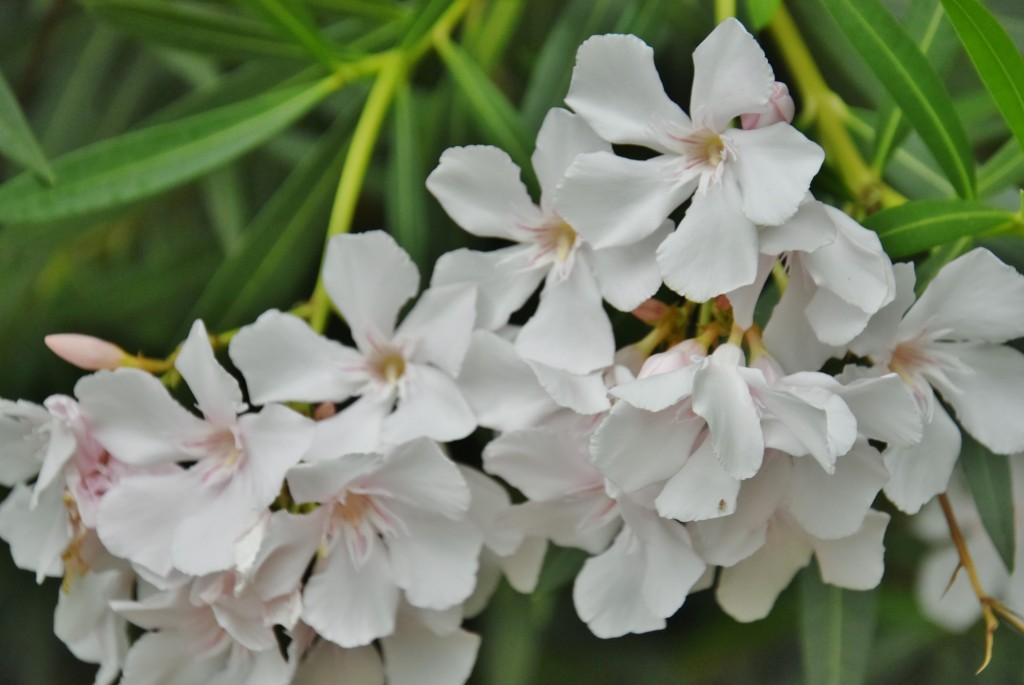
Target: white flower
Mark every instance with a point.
(743, 178)
(480, 189)
(188, 519)
(403, 377)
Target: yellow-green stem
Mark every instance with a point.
(724, 9)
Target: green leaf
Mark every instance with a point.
(281, 245)
(16, 138)
(912, 83)
(837, 629)
(143, 163)
(988, 476)
(917, 226)
(193, 27)
(496, 116)
(761, 12)
(940, 257)
(293, 21)
(1003, 169)
(995, 58)
(406, 179)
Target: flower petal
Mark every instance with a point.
(415, 655)
(562, 136)
(584, 394)
(809, 230)
(731, 76)
(274, 440)
(37, 536)
(855, 562)
(919, 472)
(436, 562)
(628, 274)
(570, 329)
(611, 200)
(544, 463)
(432, 407)
(439, 326)
(951, 301)
(369, 277)
(700, 490)
(420, 475)
(326, 662)
(714, 250)
(774, 167)
(284, 360)
(216, 391)
(503, 278)
(356, 429)
(616, 89)
(480, 189)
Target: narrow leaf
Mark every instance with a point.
(143, 163)
(495, 115)
(917, 226)
(294, 22)
(837, 628)
(406, 174)
(995, 58)
(912, 83)
(1004, 168)
(988, 476)
(761, 12)
(16, 138)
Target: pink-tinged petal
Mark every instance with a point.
(216, 391)
(747, 591)
(436, 561)
(885, 409)
(809, 230)
(134, 417)
(37, 536)
(500, 387)
(480, 189)
(831, 506)
(23, 442)
(544, 463)
(727, 540)
(714, 250)
(325, 480)
(919, 472)
(744, 299)
(628, 274)
(774, 167)
(855, 562)
(218, 516)
(609, 591)
(974, 297)
(611, 200)
(138, 517)
(242, 619)
(415, 655)
(700, 490)
(731, 76)
(432, 407)
(988, 394)
(616, 89)
(85, 351)
(284, 360)
(439, 326)
(328, 663)
(369, 277)
(634, 448)
(788, 334)
(288, 545)
(504, 280)
(584, 394)
(355, 429)
(274, 440)
(780, 107)
(722, 397)
(854, 266)
(420, 475)
(570, 329)
(660, 391)
(85, 623)
(562, 136)
(879, 337)
(351, 606)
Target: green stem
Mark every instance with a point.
(724, 9)
(823, 107)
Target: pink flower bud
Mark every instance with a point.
(780, 107)
(672, 359)
(324, 410)
(651, 311)
(85, 351)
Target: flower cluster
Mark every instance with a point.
(314, 528)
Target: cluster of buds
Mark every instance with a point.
(329, 535)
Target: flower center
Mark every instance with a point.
(558, 239)
(352, 510)
(388, 366)
(712, 149)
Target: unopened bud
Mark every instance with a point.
(652, 311)
(85, 351)
(780, 107)
(324, 410)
